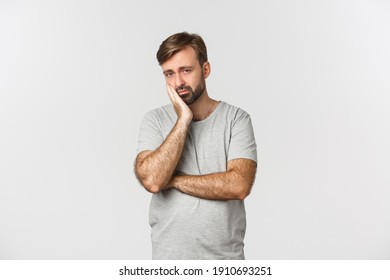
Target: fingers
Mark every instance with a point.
(171, 93)
(175, 98)
(181, 108)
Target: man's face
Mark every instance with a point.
(184, 73)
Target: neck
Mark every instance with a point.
(203, 107)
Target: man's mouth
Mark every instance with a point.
(183, 92)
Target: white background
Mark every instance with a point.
(76, 78)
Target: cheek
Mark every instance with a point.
(169, 81)
(195, 80)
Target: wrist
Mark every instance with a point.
(171, 183)
(182, 122)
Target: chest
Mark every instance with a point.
(206, 149)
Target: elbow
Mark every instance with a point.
(241, 183)
(244, 191)
(243, 194)
(151, 186)
(148, 182)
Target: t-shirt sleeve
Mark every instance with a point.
(150, 136)
(242, 141)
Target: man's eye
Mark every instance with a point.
(168, 75)
(187, 70)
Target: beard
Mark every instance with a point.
(193, 94)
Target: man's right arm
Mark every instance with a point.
(155, 168)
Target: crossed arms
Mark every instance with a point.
(156, 169)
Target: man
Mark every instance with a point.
(198, 158)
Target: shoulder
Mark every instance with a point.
(160, 113)
(166, 109)
(160, 116)
(233, 113)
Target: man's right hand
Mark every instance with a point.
(183, 112)
(155, 168)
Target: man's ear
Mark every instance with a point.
(206, 69)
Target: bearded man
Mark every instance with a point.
(198, 157)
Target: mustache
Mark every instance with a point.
(180, 88)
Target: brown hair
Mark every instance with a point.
(178, 41)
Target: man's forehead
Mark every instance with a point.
(184, 57)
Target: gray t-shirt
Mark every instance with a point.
(188, 227)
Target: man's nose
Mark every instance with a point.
(179, 81)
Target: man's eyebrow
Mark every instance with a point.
(167, 71)
(185, 67)
(180, 68)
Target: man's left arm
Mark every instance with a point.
(235, 183)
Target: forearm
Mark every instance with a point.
(235, 183)
(156, 168)
(216, 186)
